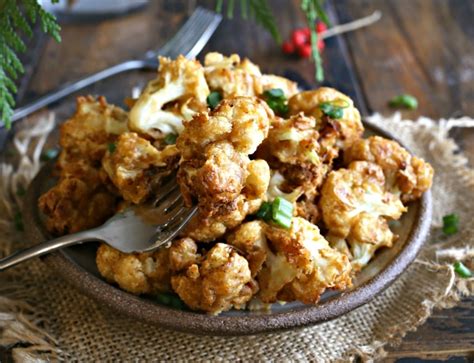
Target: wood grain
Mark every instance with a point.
(422, 47)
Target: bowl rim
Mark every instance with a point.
(146, 311)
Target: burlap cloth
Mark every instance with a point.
(46, 319)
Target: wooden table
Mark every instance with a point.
(421, 47)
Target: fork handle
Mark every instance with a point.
(70, 88)
(45, 247)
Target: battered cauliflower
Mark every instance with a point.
(215, 169)
(234, 77)
(88, 132)
(178, 93)
(244, 122)
(136, 167)
(300, 265)
(355, 206)
(251, 240)
(219, 282)
(347, 128)
(404, 173)
(138, 273)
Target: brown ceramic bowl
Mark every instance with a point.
(77, 266)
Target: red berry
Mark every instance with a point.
(298, 38)
(288, 47)
(304, 51)
(321, 27)
(321, 44)
(306, 32)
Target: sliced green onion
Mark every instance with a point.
(462, 270)
(333, 111)
(171, 300)
(49, 154)
(170, 139)
(265, 212)
(276, 100)
(404, 101)
(274, 93)
(282, 212)
(213, 99)
(450, 224)
(111, 147)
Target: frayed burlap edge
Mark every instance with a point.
(23, 323)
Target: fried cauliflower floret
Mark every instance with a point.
(251, 240)
(348, 128)
(221, 281)
(242, 121)
(93, 126)
(404, 173)
(231, 76)
(135, 166)
(138, 273)
(297, 154)
(355, 207)
(301, 265)
(74, 205)
(178, 93)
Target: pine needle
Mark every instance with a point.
(18, 17)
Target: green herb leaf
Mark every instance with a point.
(462, 270)
(49, 154)
(404, 101)
(18, 221)
(170, 139)
(276, 93)
(111, 147)
(450, 224)
(213, 99)
(171, 300)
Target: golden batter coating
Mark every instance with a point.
(138, 273)
(354, 203)
(178, 93)
(404, 173)
(93, 126)
(136, 167)
(348, 128)
(301, 265)
(221, 281)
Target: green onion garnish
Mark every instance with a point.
(170, 139)
(404, 101)
(18, 221)
(111, 147)
(171, 300)
(276, 100)
(282, 212)
(450, 224)
(213, 99)
(334, 109)
(265, 212)
(462, 270)
(49, 154)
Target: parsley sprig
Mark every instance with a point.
(18, 17)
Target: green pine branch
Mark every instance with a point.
(18, 17)
(260, 11)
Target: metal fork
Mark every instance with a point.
(128, 231)
(189, 41)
